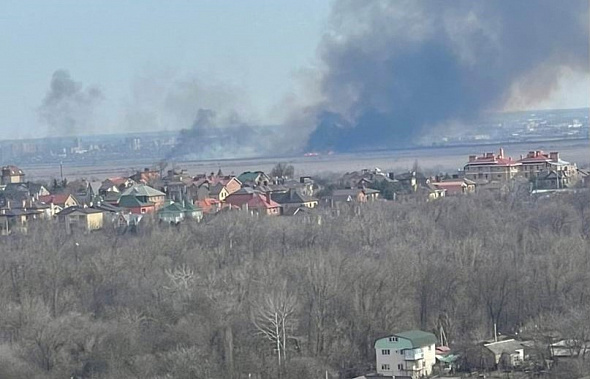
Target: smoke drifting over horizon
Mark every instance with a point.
(221, 136)
(68, 107)
(395, 70)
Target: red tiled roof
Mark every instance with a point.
(260, 201)
(450, 187)
(495, 161)
(535, 159)
(55, 199)
(254, 200)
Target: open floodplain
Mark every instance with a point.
(432, 159)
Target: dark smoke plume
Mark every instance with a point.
(397, 69)
(68, 107)
(216, 136)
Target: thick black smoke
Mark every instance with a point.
(397, 69)
(221, 136)
(68, 107)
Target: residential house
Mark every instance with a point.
(176, 212)
(218, 192)
(364, 178)
(62, 200)
(347, 195)
(554, 179)
(359, 195)
(36, 190)
(209, 206)
(408, 354)
(454, 186)
(16, 219)
(12, 174)
(254, 179)
(117, 184)
(254, 202)
(175, 190)
(78, 218)
(82, 191)
(569, 349)
(491, 167)
(146, 194)
(293, 199)
(213, 186)
(111, 197)
(536, 162)
(136, 205)
(14, 194)
(507, 353)
(146, 176)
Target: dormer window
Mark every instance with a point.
(392, 339)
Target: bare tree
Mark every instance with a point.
(273, 317)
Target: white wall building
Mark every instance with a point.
(408, 354)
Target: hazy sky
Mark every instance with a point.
(253, 46)
(253, 49)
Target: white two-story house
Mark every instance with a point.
(407, 354)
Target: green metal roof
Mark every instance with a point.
(177, 208)
(142, 190)
(447, 358)
(130, 201)
(406, 340)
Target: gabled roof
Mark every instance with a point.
(130, 201)
(292, 197)
(346, 192)
(175, 208)
(251, 176)
(411, 339)
(108, 207)
(507, 346)
(59, 198)
(260, 201)
(14, 187)
(78, 209)
(12, 170)
(142, 190)
(216, 189)
(112, 196)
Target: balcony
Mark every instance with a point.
(413, 355)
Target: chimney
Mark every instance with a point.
(268, 197)
(554, 156)
(391, 175)
(501, 155)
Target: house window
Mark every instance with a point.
(423, 364)
(392, 339)
(400, 366)
(401, 352)
(385, 352)
(385, 367)
(142, 210)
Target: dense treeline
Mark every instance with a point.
(225, 298)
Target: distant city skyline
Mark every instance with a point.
(250, 57)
